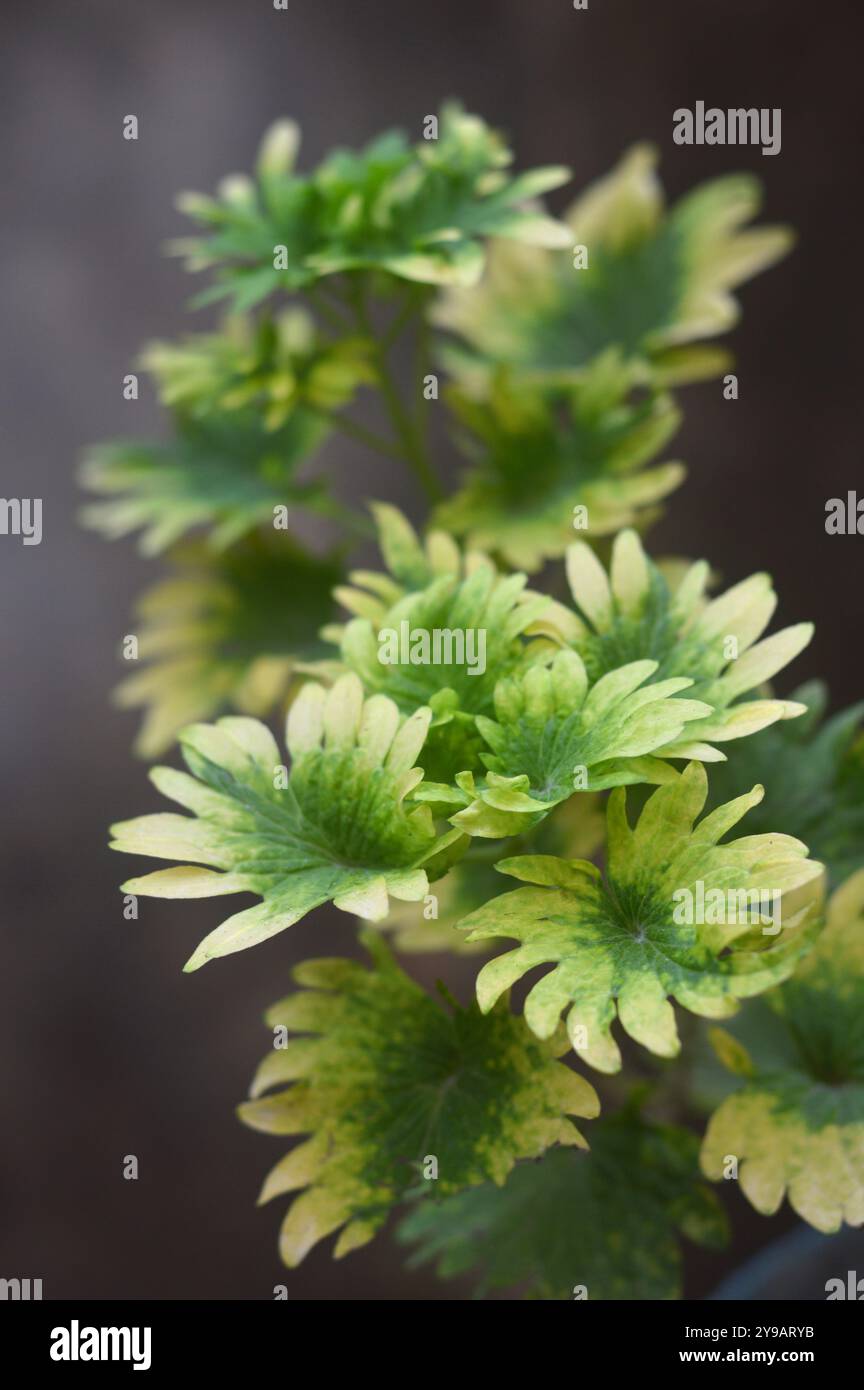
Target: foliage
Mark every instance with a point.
(277, 367)
(656, 281)
(559, 1228)
(619, 943)
(813, 770)
(385, 1078)
(637, 613)
(228, 473)
(539, 454)
(555, 736)
(336, 830)
(219, 632)
(456, 721)
(796, 1124)
(417, 212)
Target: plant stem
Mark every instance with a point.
(413, 446)
(355, 524)
(400, 319)
(328, 312)
(362, 436)
(408, 434)
(423, 359)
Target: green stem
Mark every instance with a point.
(356, 524)
(361, 435)
(412, 443)
(424, 355)
(413, 447)
(329, 313)
(400, 319)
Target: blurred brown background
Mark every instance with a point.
(106, 1048)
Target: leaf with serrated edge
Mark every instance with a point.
(338, 830)
(389, 1078)
(614, 941)
(796, 1125)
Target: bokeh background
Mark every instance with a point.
(106, 1049)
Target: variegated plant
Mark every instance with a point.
(635, 613)
(336, 829)
(388, 1077)
(601, 750)
(618, 941)
(796, 1122)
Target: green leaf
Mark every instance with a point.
(227, 472)
(445, 646)
(393, 658)
(796, 1125)
(576, 827)
(419, 213)
(546, 460)
(652, 928)
(235, 629)
(412, 565)
(638, 614)
(656, 282)
(336, 830)
(606, 1222)
(555, 735)
(431, 926)
(275, 367)
(813, 773)
(388, 1080)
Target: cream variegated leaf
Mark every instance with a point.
(335, 830)
(634, 612)
(412, 564)
(226, 472)
(556, 736)
(813, 771)
(233, 630)
(444, 646)
(276, 366)
(385, 1078)
(625, 943)
(652, 283)
(796, 1123)
(545, 460)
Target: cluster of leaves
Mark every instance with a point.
(335, 830)
(417, 775)
(252, 404)
(417, 212)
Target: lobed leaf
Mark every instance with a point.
(546, 460)
(622, 945)
(387, 1080)
(637, 613)
(555, 736)
(419, 213)
(813, 772)
(655, 284)
(598, 1225)
(336, 830)
(237, 629)
(795, 1124)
